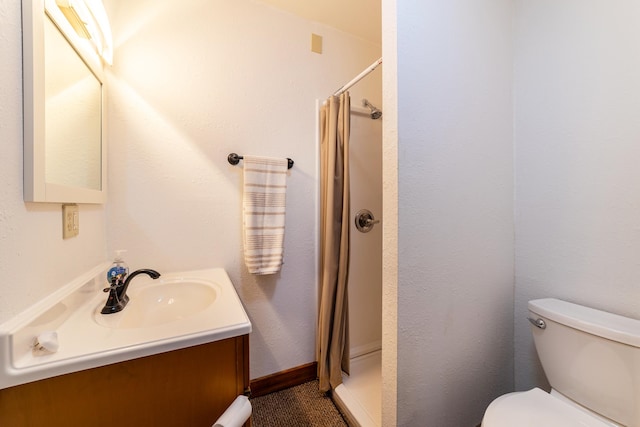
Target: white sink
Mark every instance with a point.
(160, 301)
(177, 310)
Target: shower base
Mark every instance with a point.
(359, 396)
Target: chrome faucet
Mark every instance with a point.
(118, 297)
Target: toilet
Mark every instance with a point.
(592, 361)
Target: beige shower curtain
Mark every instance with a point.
(332, 342)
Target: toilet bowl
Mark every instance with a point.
(537, 408)
(592, 361)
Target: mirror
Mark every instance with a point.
(73, 96)
(64, 144)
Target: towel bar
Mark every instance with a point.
(234, 159)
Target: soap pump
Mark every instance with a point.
(119, 269)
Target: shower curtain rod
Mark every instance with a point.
(359, 77)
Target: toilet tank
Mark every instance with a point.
(591, 357)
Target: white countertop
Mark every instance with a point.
(84, 343)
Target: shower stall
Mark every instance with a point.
(359, 396)
(350, 248)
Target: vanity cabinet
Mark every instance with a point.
(188, 387)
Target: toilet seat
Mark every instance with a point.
(535, 408)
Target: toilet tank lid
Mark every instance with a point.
(596, 322)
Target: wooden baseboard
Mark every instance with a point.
(285, 379)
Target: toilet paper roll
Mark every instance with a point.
(236, 414)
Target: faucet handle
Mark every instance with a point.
(115, 284)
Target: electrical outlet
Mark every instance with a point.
(70, 221)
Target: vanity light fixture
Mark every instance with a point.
(86, 18)
(77, 14)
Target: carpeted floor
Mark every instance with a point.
(300, 406)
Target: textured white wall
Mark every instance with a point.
(389, 360)
(577, 148)
(34, 260)
(191, 82)
(455, 209)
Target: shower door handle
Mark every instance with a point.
(365, 221)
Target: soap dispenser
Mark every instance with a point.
(119, 269)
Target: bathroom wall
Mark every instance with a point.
(577, 139)
(390, 332)
(34, 259)
(454, 209)
(192, 82)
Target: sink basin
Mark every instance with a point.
(161, 301)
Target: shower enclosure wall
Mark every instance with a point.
(365, 269)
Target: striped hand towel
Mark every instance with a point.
(263, 206)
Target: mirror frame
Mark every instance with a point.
(36, 189)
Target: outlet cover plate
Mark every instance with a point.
(70, 221)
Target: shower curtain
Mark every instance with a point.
(332, 342)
